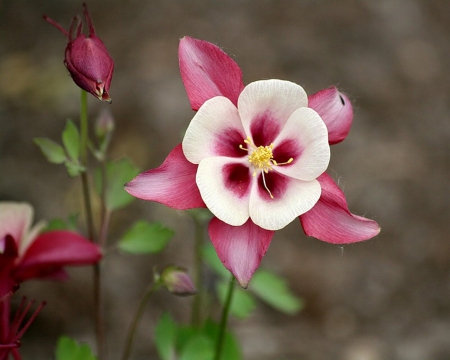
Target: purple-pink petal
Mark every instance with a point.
(207, 72)
(331, 221)
(53, 250)
(172, 184)
(240, 248)
(335, 110)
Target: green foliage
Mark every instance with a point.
(117, 173)
(274, 290)
(71, 140)
(69, 349)
(51, 150)
(145, 238)
(67, 155)
(267, 286)
(61, 224)
(165, 337)
(199, 347)
(192, 343)
(242, 304)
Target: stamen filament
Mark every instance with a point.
(261, 158)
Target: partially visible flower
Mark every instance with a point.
(177, 281)
(13, 328)
(26, 254)
(87, 58)
(255, 156)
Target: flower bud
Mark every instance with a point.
(177, 281)
(86, 58)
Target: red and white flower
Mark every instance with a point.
(27, 254)
(256, 157)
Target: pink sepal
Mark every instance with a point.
(240, 248)
(331, 221)
(207, 72)
(172, 184)
(53, 250)
(335, 110)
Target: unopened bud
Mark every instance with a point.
(86, 58)
(177, 281)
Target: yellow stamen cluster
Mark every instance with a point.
(261, 158)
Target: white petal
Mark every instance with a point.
(274, 214)
(15, 220)
(306, 132)
(270, 100)
(225, 198)
(214, 129)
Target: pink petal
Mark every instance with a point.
(207, 72)
(215, 130)
(331, 221)
(15, 220)
(336, 111)
(266, 105)
(53, 250)
(240, 248)
(172, 184)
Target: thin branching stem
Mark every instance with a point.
(137, 317)
(98, 300)
(198, 272)
(224, 320)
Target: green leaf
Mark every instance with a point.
(73, 169)
(199, 347)
(71, 140)
(118, 173)
(69, 349)
(145, 238)
(274, 290)
(165, 337)
(51, 150)
(231, 348)
(242, 303)
(60, 224)
(210, 257)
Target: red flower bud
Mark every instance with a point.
(86, 58)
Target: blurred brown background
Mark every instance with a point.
(387, 298)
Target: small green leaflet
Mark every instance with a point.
(165, 337)
(69, 349)
(71, 141)
(52, 151)
(273, 290)
(145, 238)
(118, 173)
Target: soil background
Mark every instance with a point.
(386, 298)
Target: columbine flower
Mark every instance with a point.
(26, 254)
(87, 58)
(255, 156)
(12, 329)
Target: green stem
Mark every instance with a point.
(224, 320)
(137, 317)
(98, 298)
(198, 272)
